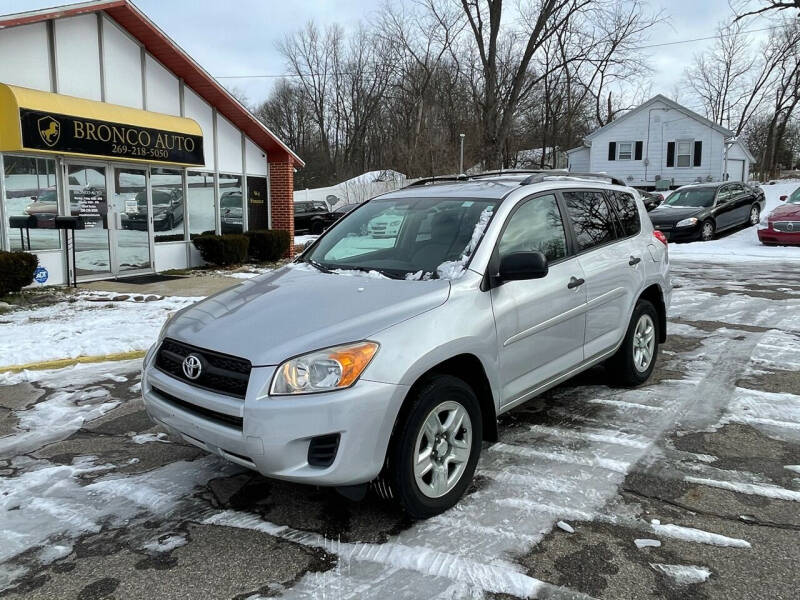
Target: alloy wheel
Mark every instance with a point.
(442, 449)
(754, 216)
(708, 231)
(644, 342)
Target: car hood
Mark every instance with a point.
(790, 212)
(669, 214)
(294, 310)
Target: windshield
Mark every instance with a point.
(795, 197)
(411, 238)
(160, 198)
(694, 198)
(231, 201)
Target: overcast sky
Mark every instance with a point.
(238, 37)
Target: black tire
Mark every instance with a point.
(398, 480)
(622, 366)
(707, 226)
(170, 223)
(754, 210)
(317, 227)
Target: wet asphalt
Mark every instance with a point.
(732, 330)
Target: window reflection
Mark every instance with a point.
(628, 213)
(536, 227)
(31, 191)
(257, 203)
(168, 204)
(591, 217)
(201, 203)
(231, 213)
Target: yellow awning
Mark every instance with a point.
(43, 122)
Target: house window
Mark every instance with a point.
(684, 154)
(625, 151)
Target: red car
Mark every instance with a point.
(783, 223)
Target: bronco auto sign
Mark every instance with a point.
(90, 137)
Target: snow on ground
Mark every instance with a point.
(741, 245)
(302, 240)
(683, 574)
(83, 327)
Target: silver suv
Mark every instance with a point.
(388, 360)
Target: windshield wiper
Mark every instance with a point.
(317, 265)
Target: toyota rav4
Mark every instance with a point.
(388, 364)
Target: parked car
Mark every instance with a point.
(167, 210)
(342, 210)
(651, 199)
(231, 212)
(782, 225)
(424, 342)
(312, 217)
(699, 211)
(45, 206)
(386, 225)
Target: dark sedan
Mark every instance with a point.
(697, 212)
(167, 210)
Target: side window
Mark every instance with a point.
(724, 194)
(592, 218)
(736, 190)
(627, 211)
(536, 226)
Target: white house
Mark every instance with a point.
(661, 143)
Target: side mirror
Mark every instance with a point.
(522, 265)
(784, 198)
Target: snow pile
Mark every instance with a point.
(742, 245)
(645, 543)
(690, 534)
(83, 327)
(147, 438)
(683, 574)
(58, 417)
(565, 527)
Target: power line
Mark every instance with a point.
(645, 47)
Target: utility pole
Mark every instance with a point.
(461, 160)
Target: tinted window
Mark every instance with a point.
(627, 211)
(536, 227)
(591, 217)
(692, 197)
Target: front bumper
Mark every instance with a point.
(782, 238)
(274, 433)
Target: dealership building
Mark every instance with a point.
(104, 117)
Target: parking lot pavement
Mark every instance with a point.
(687, 487)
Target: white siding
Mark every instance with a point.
(24, 58)
(78, 57)
(578, 161)
(664, 125)
(122, 62)
(163, 89)
(256, 159)
(229, 146)
(198, 109)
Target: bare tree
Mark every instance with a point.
(770, 6)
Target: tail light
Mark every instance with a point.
(660, 237)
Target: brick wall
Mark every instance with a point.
(281, 188)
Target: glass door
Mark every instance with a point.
(88, 198)
(132, 208)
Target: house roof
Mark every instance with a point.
(174, 58)
(576, 149)
(671, 104)
(745, 149)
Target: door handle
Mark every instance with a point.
(575, 282)
(635, 260)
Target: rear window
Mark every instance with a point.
(628, 212)
(592, 219)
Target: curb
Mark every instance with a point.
(68, 362)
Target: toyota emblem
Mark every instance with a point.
(790, 226)
(192, 367)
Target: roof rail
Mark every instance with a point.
(515, 172)
(539, 178)
(441, 178)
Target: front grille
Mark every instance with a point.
(322, 450)
(200, 411)
(220, 373)
(789, 226)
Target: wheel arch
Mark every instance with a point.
(655, 295)
(469, 368)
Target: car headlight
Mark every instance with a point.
(687, 222)
(764, 222)
(324, 370)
